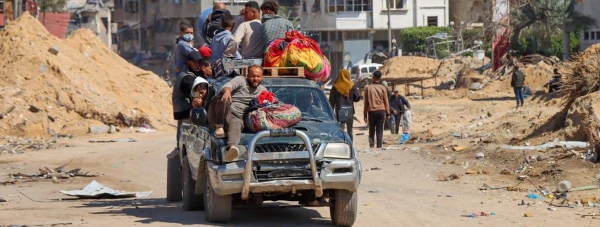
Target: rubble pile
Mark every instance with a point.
(581, 92)
(52, 87)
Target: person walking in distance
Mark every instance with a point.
(517, 81)
(376, 109)
(398, 105)
(344, 93)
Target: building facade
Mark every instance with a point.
(591, 36)
(351, 28)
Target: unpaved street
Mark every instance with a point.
(403, 191)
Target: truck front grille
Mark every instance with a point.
(282, 147)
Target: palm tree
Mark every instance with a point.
(540, 19)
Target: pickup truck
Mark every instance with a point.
(313, 162)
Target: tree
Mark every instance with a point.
(541, 20)
(54, 6)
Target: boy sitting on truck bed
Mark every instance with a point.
(227, 108)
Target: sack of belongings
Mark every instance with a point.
(266, 112)
(296, 50)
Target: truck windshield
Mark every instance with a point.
(310, 101)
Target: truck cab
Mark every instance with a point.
(313, 162)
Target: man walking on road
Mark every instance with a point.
(399, 105)
(517, 81)
(376, 109)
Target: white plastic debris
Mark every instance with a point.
(97, 190)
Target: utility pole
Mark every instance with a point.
(389, 27)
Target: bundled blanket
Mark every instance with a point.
(266, 112)
(296, 50)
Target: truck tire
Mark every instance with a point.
(191, 201)
(342, 207)
(174, 180)
(218, 208)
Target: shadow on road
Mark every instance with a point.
(505, 98)
(159, 211)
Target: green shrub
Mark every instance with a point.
(413, 39)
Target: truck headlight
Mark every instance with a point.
(337, 150)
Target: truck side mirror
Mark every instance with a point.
(344, 114)
(199, 117)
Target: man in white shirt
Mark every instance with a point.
(249, 34)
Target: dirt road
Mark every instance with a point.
(405, 191)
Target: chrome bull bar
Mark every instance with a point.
(280, 133)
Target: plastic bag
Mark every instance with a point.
(405, 137)
(407, 116)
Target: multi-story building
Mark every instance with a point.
(471, 12)
(354, 27)
(591, 36)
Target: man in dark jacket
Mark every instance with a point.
(399, 105)
(216, 18)
(517, 81)
(344, 93)
(182, 88)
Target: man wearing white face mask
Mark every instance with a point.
(184, 47)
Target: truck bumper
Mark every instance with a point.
(227, 179)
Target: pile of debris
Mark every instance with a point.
(581, 93)
(51, 86)
(48, 174)
(535, 59)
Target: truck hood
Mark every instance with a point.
(318, 132)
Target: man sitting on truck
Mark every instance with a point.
(227, 109)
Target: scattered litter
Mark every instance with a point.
(478, 214)
(533, 196)
(585, 188)
(97, 190)
(114, 141)
(369, 204)
(360, 134)
(375, 168)
(551, 208)
(564, 186)
(565, 144)
(451, 177)
(459, 149)
(590, 215)
(56, 173)
(3, 200)
(374, 191)
(145, 128)
(479, 155)
(528, 215)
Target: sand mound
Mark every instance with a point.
(536, 76)
(84, 84)
(408, 66)
(582, 117)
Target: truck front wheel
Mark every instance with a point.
(191, 201)
(342, 207)
(218, 208)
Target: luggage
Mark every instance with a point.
(266, 112)
(296, 50)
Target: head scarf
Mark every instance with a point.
(343, 84)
